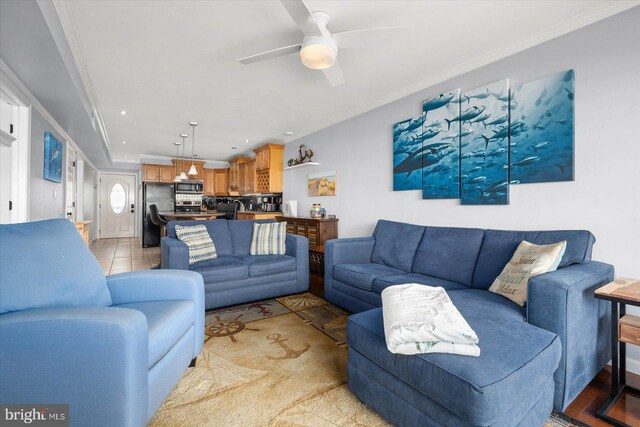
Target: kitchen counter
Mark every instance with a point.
(185, 216)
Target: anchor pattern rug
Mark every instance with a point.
(279, 362)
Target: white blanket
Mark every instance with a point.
(422, 319)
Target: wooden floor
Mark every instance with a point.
(123, 255)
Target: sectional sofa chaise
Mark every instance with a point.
(533, 359)
(235, 276)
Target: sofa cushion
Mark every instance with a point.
(221, 269)
(362, 275)
(67, 273)
(396, 244)
(168, 321)
(498, 247)
(241, 234)
(265, 265)
(218, 230)
(380, 283)
(448, 253)
(515, 359)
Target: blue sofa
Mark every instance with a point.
(111, 348)
(235, 276)
(532, 359)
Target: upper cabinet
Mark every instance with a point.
(158, 173)
(269, 167)
(246, 175)
(234, 174)
(209, 183)
(216, 182)
(187, 165)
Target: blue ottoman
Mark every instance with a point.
(510, 384)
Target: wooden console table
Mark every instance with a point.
(625, 328)
(317, 230)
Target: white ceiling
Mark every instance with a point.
(170, 62)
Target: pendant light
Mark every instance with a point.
(192, 169)
(177, 178)
(183, 175)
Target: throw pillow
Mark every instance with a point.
(197, 238)
(269, 239)
(528, 260)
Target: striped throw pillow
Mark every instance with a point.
(269, 239)
(197, 238)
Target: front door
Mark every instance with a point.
(117, 206)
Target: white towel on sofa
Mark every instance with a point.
(422, 319)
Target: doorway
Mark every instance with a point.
(117, 205)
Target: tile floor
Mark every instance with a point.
(124, 255)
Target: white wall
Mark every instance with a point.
(604, 198)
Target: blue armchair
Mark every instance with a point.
(112, 348)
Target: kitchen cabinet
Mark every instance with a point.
(234, 174)
(187, 164)
(258, 215)
(209, 182)
(247, 176)
(221, 182)
(269, 168)
(157, 173)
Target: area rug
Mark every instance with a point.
(280, 362)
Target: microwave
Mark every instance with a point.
(191, 186)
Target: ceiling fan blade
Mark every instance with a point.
(373, 37)
(301, 15)
(334, 74)
(281, 51)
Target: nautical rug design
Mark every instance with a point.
(264, 364)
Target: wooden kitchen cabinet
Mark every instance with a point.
(209, 182)
(247, 176)
(221, 182)
(187, 165)
(234, 173)
(269, 168)
(157, 173)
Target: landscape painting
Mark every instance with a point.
(52, 158)
(407, 154)
(441, 147)
(544, 152)
(484, 144)
(322, 184)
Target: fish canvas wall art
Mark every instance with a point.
(441, 146)
(407, 154)
(545, 151)
(484, 147)
(52, 158)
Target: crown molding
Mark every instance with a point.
(574, 23)
(18, 89)
(68, 25)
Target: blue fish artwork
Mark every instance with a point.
(52, 158)
(441, 147)
(484, 142)
(407, 154)
(545, 152)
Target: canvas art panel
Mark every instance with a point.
(544, 152)
(484, 147)
(52, 158)
(322, 184)
(407, 154)
(441, 146)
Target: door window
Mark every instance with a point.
(117, 198)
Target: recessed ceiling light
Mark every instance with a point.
(124, 113)
(234, 148)
(221, 154)
(246, 141)
(288, 133)
(125, 157)
(124, 142)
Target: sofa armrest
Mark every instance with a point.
(563, 302)
(93, 358)
(298, 247)
(162, 285)
(174, 254)
(354, 250)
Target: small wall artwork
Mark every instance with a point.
(322, 184)
(407, 154)
(484, 147)
(52, 158)
(543, 151)
(441, 147)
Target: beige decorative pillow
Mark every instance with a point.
(527, 261)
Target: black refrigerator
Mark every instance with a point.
(161, 195)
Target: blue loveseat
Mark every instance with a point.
(532, 359)
(111, 348)
(235, 276)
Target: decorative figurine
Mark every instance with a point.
(304, 156)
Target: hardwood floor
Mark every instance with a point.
(123, 255)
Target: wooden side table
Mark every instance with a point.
(625, 328)
(83, 229)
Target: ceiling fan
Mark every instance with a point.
(319, 47)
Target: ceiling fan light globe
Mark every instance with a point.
(318, 53)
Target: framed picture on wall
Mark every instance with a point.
(322, 184)
(52, 158)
